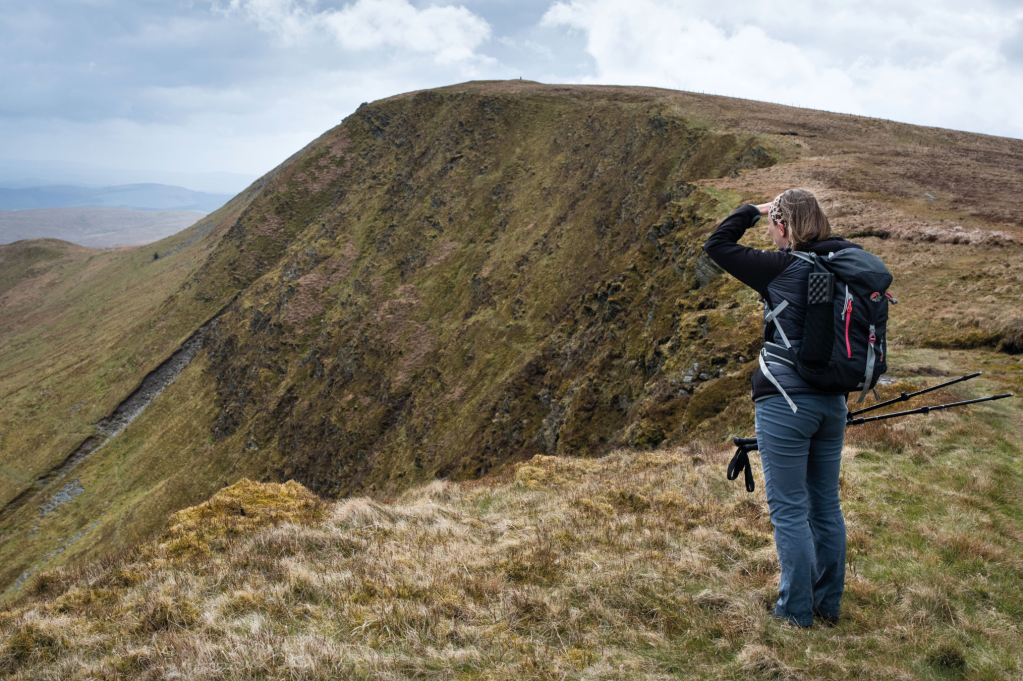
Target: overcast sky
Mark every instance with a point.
(203, 86)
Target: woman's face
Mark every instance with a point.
(778, 233)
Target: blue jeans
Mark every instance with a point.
(802, 456)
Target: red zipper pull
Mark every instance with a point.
(848, 318)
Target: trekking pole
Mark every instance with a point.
(924, 410)
(740, 461)
(905, 396)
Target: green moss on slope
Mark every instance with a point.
(453, 280)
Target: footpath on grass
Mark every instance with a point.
(47, 489)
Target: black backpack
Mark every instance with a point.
(844, 345)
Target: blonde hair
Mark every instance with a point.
(802, 216)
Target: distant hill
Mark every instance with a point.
(20, 173)
(136, 196)
(95, 227)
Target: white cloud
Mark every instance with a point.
(174, 85)
(288, 20)
(449, 34)
(938, 64)
(645, 42)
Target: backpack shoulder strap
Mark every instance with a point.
(808, 257)
(771, 315)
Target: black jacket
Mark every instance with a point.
(777, 276)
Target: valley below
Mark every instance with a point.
(102, 217)
(95, 227)
(449, 394)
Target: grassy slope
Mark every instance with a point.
(78, 337)
(635, 565)
(107, 319)
(483, 272)
(82, 328)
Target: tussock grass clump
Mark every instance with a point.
(645, 565)
(883, 436)
(239, 509)
(948, 655)
(1012, 338)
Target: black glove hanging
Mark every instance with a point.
(740, 463)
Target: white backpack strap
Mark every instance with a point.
(775, 383)
(777, 354)
(808, 257)
(772, 316)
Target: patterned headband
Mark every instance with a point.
(775, 211)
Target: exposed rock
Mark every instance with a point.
(706, 270)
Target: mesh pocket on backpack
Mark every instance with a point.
(819, 328)
(821, 288)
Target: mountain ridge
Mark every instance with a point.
(455, 280)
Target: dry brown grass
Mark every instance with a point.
(636, 565)
(901, 435)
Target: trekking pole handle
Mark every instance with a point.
(740, 461)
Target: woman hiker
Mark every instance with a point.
(801, 449)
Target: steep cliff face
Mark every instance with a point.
(448, 281)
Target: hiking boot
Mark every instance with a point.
(827, 620)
